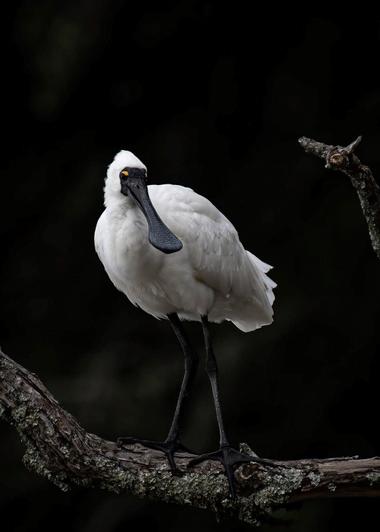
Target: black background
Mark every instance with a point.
(214, 98)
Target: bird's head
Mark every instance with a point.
(127, 178)
(115, 188)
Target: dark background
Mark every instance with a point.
(213, 98)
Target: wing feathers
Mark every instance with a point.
(217, 256)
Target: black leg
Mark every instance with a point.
(172, 443)
(191, 366)
(212, 372)
(225, 454)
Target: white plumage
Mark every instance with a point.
(211, 275)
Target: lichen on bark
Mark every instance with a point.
(60, 450)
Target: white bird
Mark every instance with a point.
(177, 257)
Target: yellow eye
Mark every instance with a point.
(125, 172)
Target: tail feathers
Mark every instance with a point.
(249, 325)
(251, 317)
(264, 268)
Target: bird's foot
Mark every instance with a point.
(229, 457)
(168, 447)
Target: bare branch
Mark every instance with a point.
(59, 449)
(345, 160)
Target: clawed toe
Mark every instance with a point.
(225, 454)
(229, 457)
(169, 448)
(125, 440)
(203, 457)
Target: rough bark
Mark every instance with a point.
(345, 160)
(59, 449)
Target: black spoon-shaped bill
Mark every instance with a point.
(160, 235)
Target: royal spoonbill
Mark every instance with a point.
(175, 255)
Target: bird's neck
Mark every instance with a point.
(119, 203)
(125, 209)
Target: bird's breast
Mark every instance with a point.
(128, 253)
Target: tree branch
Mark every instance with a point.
(59, 449)
(345, 160)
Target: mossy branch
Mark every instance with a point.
(59, 449)
(344, 159)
